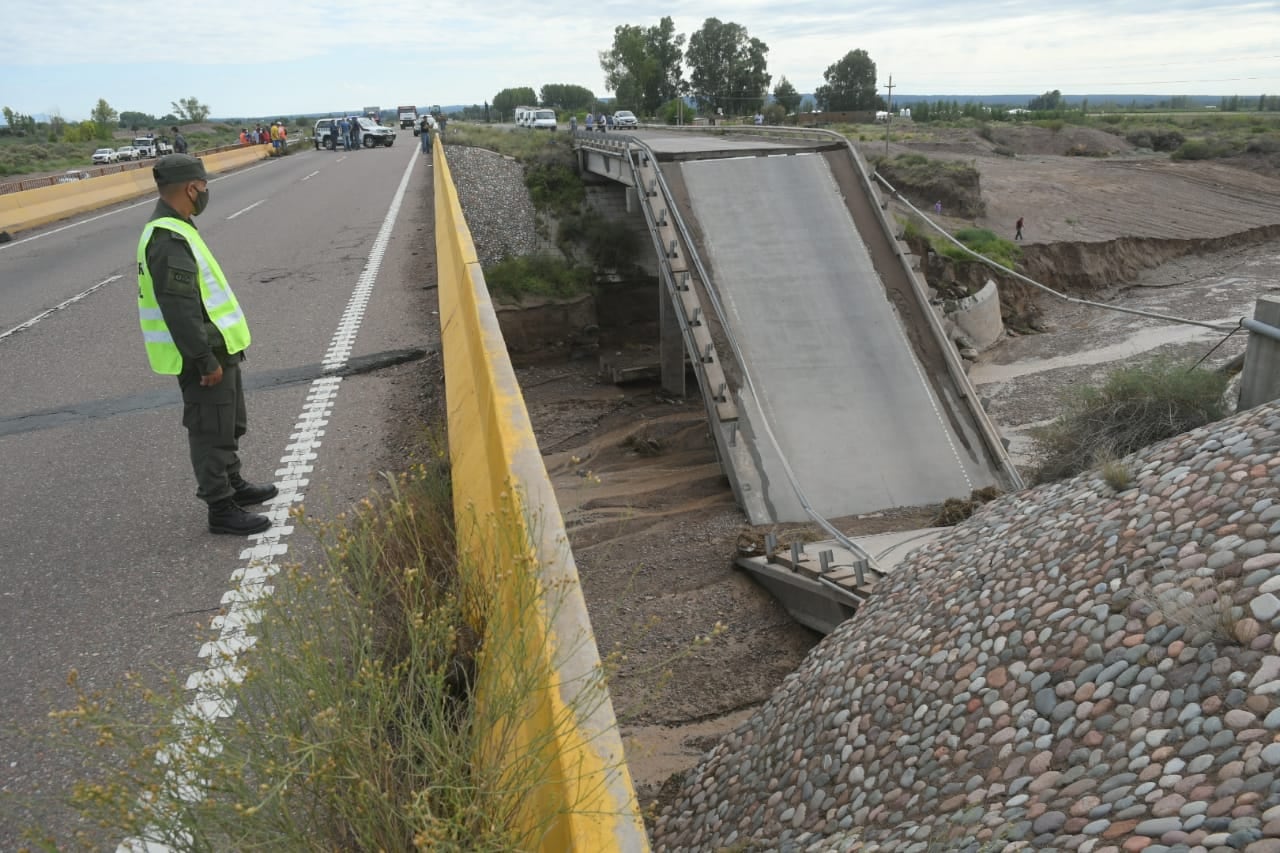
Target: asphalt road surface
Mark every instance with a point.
(837, 381)
(106, 565)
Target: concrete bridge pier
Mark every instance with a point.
(670, 344)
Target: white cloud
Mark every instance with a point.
(135, 55)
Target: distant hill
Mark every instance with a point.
(1071, 100)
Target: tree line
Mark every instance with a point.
(103, 119)
(721, 67)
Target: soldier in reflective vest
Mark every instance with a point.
(193, 328)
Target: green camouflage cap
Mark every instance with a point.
(178, 169)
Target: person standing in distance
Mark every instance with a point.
(424, 132)
(179, 141)
(193, 328)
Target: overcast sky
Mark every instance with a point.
(268, 57)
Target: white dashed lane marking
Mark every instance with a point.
(250, 582)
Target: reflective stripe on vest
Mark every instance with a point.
(219, 302)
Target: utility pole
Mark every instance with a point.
(888, 118)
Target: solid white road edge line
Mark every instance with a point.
(261, 560)
(63, 304)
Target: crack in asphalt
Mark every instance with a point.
(159, 399)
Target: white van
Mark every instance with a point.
(522, 116)
(543, 120)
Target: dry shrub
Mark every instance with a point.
(956, 510)
(1135, 407)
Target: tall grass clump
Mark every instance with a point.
(512, 280)
(1134, 407)
(553, 181)
(351, 723)
(607, 243)
(983, 241)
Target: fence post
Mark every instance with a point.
(1260, 382)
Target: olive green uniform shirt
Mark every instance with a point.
(176, 279)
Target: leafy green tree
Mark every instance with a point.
(9, 116)
(566, 96)
(642, 67)
(786, 95)
(506, 101)
(727, 67)
(104, 116)
(85, 131)
(1046, 102)
(851, 84)
(667, 49)
(628, 69)
(190, 109)
(135, 120)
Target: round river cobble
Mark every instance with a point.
(495, 201)
(1073, 668)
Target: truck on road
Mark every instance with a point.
(408, 116)
(151, 146)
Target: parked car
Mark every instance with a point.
(372, 133)
(104, 155)
(369, 134)
(625, 118)
(543, 120)
(127, 152)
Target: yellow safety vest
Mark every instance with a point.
(219, 302)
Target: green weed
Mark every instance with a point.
(513, 279)
(984, 242)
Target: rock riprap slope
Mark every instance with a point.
(1073, 668)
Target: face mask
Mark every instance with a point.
(202, 201)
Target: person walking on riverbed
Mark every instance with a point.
(1018, 229)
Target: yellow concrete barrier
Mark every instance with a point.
(561, 748)
(33, 208)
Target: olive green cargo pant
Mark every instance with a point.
(215, 418)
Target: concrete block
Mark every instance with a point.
(1260, 381)
(977, 317)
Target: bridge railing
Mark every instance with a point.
(556, 742)
(683, 275)
(867, 178)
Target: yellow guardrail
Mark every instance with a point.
(570, 788)
(33, 208)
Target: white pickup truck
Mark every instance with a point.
(150, 146)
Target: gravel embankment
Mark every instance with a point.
(1073, 668)
(495, 201)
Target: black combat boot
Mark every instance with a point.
(226, 516)
(247, 494)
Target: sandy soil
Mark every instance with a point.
(1127, 194)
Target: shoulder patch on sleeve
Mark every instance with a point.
(180, 275)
